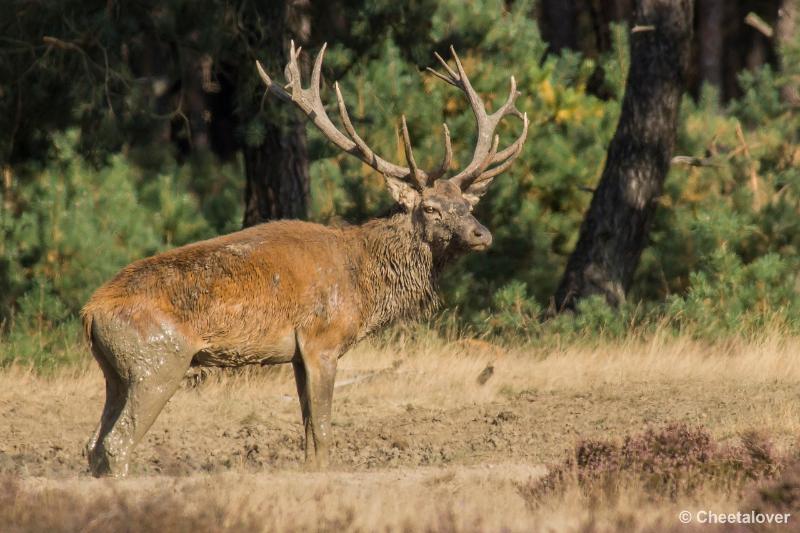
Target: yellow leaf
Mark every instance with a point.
(546, 92)
(451, 106)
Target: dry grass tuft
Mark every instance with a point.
(57, 509)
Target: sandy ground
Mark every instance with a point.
(423, 438)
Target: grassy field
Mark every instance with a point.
(430, 436)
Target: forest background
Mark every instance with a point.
(126, 130)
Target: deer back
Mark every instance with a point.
(236, 292)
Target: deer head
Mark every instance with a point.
(440, 208)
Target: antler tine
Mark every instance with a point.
(447, 67)
(271, 86)
(310, 102)
(412, 164)
(514, 150)
(365, 150)
(516, 145)
(509, 107)
(499, 169)
(492, 152)
(442, 76)
(474, 99)
(479, 186)
(316, 73)
(452, 79)
(490, 157)
(484, 155)
(485, 152)
(292, 71)
(448, 157)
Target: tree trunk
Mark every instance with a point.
(559, 23)
(710, 13)
(614, 231)
(785, 32)
(620, 10)
(276, 169)
(277, 175)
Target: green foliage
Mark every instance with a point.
(727, 296)
(72, 228)
(725, 243)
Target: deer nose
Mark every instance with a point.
(481, 237)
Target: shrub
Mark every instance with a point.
(670, 462)
(70, 229)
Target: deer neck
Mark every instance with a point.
(398, 272)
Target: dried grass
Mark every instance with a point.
(594, 413)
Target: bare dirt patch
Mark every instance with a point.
(418, 438)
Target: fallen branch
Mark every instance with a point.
(693, 161)
(759, 24)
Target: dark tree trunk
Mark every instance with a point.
(601, 14)
(277, 169)
(711, 15)
(785, 34)
(559, 24)
(600, 18)
(277, 175)
(615, 229)
(620, 9)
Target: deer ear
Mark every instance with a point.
(475, 191)
(403, 193)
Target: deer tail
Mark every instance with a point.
(87, 318)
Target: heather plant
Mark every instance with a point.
(779, 495)
(669, 462)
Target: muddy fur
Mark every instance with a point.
(223, 289)
(283, 292)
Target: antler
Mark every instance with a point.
(477, 174)
(310, 102)
(485, 154)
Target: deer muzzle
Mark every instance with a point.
(476, 236)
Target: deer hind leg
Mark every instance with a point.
(115, 395)
(141, 376)
(315, 373)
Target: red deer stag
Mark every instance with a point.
(288, 291)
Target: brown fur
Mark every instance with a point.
(282, 292)
(287, 292)
(229, 294)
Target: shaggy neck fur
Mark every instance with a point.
(398, 272)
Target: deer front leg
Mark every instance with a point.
(315, 373)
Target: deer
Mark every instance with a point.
(290, 291)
